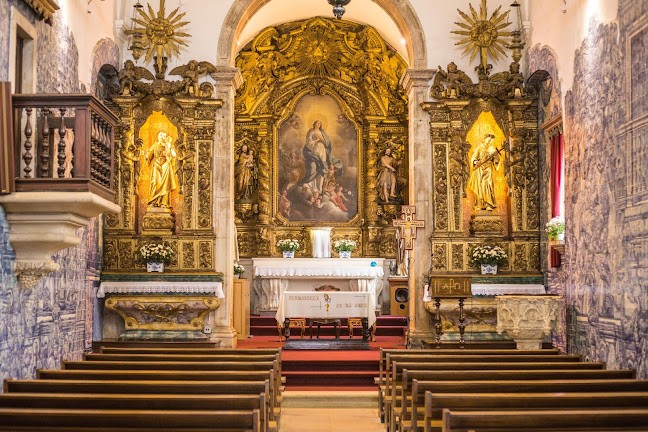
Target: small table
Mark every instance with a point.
(328, 306)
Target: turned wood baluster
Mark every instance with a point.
(462, 326)
(437, 322)
(27, 156)
(44, 149)
(61, 147)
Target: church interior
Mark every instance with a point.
(323, 215)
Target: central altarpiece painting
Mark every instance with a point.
(321, 137)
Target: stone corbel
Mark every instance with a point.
(44, 9)
(42, 223)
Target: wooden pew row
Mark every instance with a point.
(173, 350)
(134, 387)
(120, 420)
(391, 393)
(468, 351)
(426, 356)
(222, 402)
(548, 420)
(409, 409)
(520, 386)
(437, 402)
(171, 375)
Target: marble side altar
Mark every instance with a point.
(146, 306)
(481, 308)
(273, 276)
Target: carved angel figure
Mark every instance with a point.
(510, 81)
(191, 73)
(133, 156)
(130, 74)
(454, 80)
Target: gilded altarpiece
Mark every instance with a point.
(320, 137)
(458, 126)
(181, 115)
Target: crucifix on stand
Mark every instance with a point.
(406, 228)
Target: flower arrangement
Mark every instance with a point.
(288, 245)
(492, 255)
(238, 269)
(155, 252)
(344, 245)
(555, 227)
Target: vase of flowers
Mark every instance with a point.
(556, 228)
(238, 270)
(288, 247)
(344, 247)
(488, 257)
(155, 255)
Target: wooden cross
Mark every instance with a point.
(408, 225)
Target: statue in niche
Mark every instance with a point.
(184, 157)
(133, 156)
(484, 161)
(130, 74)
(162, 157)
(245, 173)
(388, 176)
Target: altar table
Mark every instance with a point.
(327, 305)
(274, 276)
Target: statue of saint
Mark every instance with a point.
(484, 161)
(244, 173)
(387, 177)
(162, 157)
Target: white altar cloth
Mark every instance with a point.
(213, 288)
(332, 304)
(503, 289)
(347, 268)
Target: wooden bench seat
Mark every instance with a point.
(170, 365)
(174, 350)
(178, 357)
(140, 402)
(546, 420)
(239, 420)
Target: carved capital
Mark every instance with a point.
(416, 78)
(227, 76)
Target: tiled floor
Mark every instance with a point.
(330, 420)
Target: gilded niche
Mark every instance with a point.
(320, 135)
(164, 149)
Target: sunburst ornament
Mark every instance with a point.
(159, 33)
(483, 35)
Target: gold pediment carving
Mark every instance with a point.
(44, 9)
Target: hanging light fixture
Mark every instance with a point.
(338, 7)
(516, 35)
(137, 44)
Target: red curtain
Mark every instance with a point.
(557, 161)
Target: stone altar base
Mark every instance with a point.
(327, 344)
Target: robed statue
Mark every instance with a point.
(484, 162)
(162, 157)
(318, 159)
(388, 176)
(244, 173)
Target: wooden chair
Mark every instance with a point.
(294, 323)
(337, 323)
(357, 322)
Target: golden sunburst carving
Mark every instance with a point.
(319, 52)
(160, 33)
(483, 35)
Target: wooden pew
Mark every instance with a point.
(223, 402)
(528, 386)
(161, 365)
(409, 407)
(546, 420)
(390, 392)
(224, 421)
(178, 357)
(175, 350)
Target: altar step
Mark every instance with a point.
(348, 370)
(385, 326)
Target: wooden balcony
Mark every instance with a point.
(63, 143)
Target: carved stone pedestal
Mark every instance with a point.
(486, 224)
(159, 221)
(529, 319)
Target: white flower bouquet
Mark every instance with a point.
(344, 245)
(288, 245)
(238, 269)
(491, 255)
(155, 252)
(555, 227)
